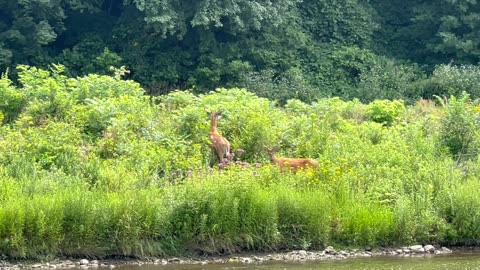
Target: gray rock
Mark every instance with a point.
(302, 253)
(83, 262)
(174, 260)
(417, 249)
(257, 259)
(429, 248)
(246, 260)
(233, 260)
(330, 250)
(445, 250)
(364, 254)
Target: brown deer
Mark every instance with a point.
(220, 146)
(293, 164)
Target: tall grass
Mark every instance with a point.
(100, 170)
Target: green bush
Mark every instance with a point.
(388, 80)
(290, 84)
(12, 100)
(458, 130)
(454, 80)
(385, 111)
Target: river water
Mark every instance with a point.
(456, 260)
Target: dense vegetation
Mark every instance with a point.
(91, 166)
(94, 165)
(303, 49)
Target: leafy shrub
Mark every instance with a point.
(388, 80)
(280, 87)
(12, 100)
(454, 80)
(458, 130)
(385, 111)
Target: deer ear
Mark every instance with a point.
(219, 113)
(276, 148)
(208, 113)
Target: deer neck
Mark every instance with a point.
(213, 127)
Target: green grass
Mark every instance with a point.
(96, 169)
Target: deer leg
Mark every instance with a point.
(213, 155)
(220, 154)
(227, 152)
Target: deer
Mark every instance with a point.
(220, 146)
(293, 164)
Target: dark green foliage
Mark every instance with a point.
(350, 22)
(290, 49)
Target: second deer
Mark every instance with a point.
(293, 164)
(220, 146)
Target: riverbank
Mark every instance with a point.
(328, 253)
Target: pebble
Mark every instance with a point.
(329, 253)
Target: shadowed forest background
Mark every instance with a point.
(302, 49)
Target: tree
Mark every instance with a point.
(456, 28)
(346, 22)
(209, 43)
(27, 27)
(431, 32)
(177, 16)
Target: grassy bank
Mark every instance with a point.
(92, 167)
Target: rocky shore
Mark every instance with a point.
(329, 253)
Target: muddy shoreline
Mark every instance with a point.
(329, 253)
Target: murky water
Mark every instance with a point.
(457, 260)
